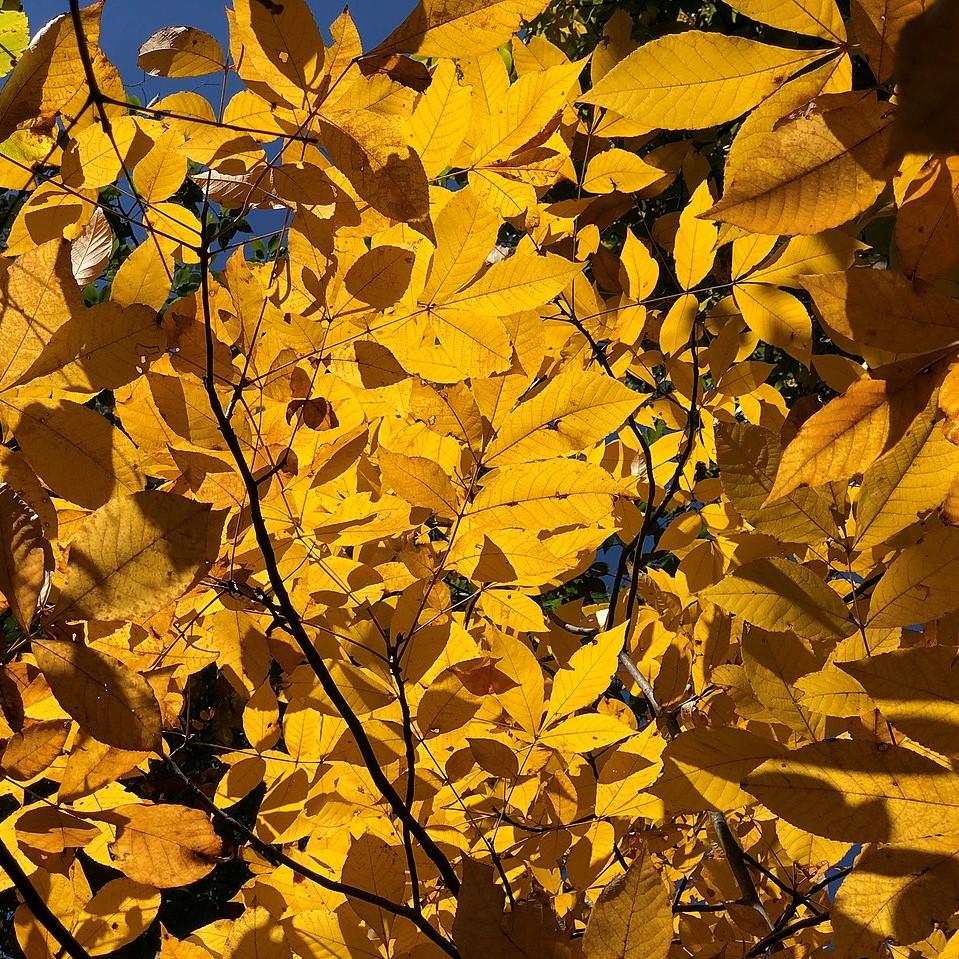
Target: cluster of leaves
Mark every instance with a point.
(539, 540)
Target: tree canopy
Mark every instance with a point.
(493, 495)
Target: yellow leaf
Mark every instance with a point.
(850, 432)
(693, 80)
(584, 733)
(421, 482)
(694, 249)
(528, 497)
(164, 846)
(775, 594)
(26, 560)
(49, 79)
(465, 233)
(142, 278)
(859, 791)
(34, 748)
(261, 719)
(576, 410)
(883, 310)
(92, 765)
(278, 50)
(441, 119)
(632, 918)
(642, 271)
(381, 276)
(110, 701)
(702, 768)
(40, 295)
(878, 26)
(180, 52)
(587, 675)
(373, 153)
(905, 483)
(803, 255)
(481, 929)
(255, 935)
(777, 317)
(120, 912)
(79, 454)
(815, 171)
(101, 348)
(895, 893)
(773, 662)
(531, 106)
(160, 173)
(458, 28)
(814, 18)
(748, 458)
(919, 586)
(136, 554)
(917, 690)
(619, 170)
(523, 281)
(321, 932)
(14, 36)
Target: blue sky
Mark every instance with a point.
(127, 23)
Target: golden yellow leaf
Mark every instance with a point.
(584, 733)
(895, 893)
(441, 119)
(815, 18)
(30, 751)
(164, 846)
(135, 554)
(850, 432)
(26, 561)
(694, 249)
(41, 295)
(905, 483)
(120, 912)
(49, 79)
(180, 52)
(773, 662)
(421, 482)
(111, 702)
(576, 410)
(777, 317)
(380, 165)
(816, 171)
(878, 25)
(160, 173)
(917, 690)
(523, 281)
(883, 310)
(694, 80)
(919, 585)
(619, 170)
(748, 458)
(859, 791)
(632, 918)
(481, 929)
(79, 454)
(586, 677)
(458, 28)
(279, 50)
(254, 935)
(776, 594)
(702, 768)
